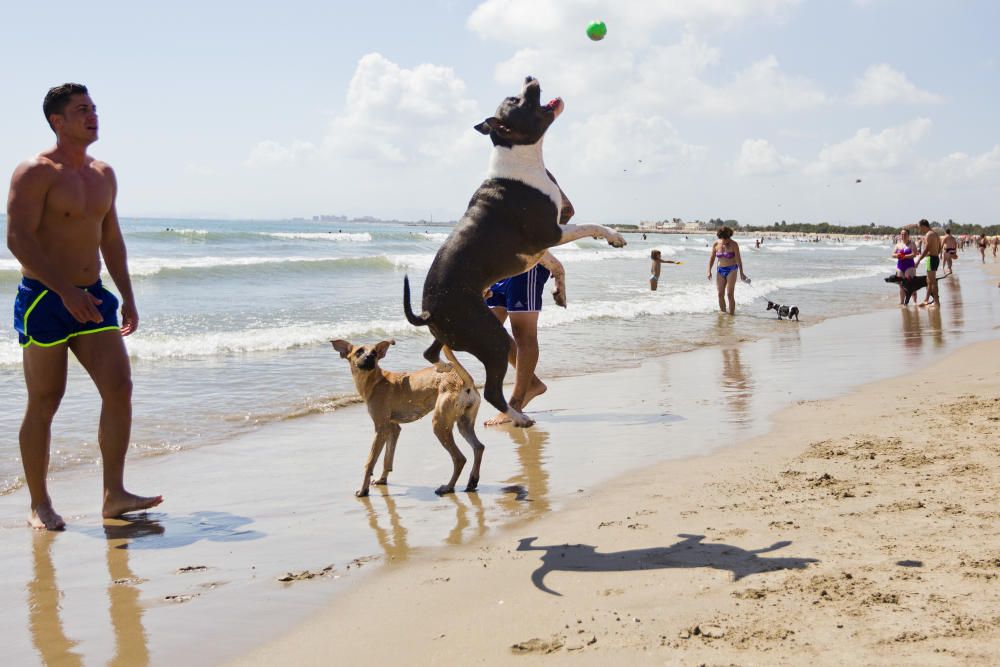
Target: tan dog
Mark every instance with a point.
(400, 398)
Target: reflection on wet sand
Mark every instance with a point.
(737, 385)
(912, 336)
(955, 304)
(392, 541)
(131, 642)
(456, 536)
(44, 621)
(124, 608)
(934, 326)
(531, 483)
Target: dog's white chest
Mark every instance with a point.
(524, 164)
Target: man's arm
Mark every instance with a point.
(567, 210)
(29, 187)
(926, 247)
(555, 267)
(116, 260)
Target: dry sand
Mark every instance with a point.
(861, 530)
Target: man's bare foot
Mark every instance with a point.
(118, 505)
(497, 420)
(536, 389)
(44, 517)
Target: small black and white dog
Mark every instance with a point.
(784, 311)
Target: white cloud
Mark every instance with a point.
(759, 157)
(525, 22)
(964, 167)
(391, 115)
(674, 77)
(881, 85)
(622, 140)
(273, 154)
(761, 88)
(868, 151)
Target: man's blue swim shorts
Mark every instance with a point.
(521, 293)
(41, 319)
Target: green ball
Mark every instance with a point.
(597, 30)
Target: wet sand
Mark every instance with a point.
(197, 581)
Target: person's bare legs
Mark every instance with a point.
(105, 358)
(931, 295)
(523, 349)
(45, 379)
(527, 385)
(720, 285)
(731, 291)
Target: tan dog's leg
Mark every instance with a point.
(444, 422)
(467, 427)
(381, 436)
(390, 454)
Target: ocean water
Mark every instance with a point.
(236, 318)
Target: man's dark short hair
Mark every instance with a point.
(948, 231)
(924, 223)
(57, 99)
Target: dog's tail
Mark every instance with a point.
(459, 368)
(424, 318)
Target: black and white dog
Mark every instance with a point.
(784, 311)
(517, 213)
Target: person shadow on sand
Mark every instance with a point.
(690, 552)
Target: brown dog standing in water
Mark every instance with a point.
(400, 398)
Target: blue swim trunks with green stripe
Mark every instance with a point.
(41, 319)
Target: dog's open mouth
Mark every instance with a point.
(555, 106)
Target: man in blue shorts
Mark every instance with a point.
(61, 220)
(520, 299)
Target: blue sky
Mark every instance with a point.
(758, 110)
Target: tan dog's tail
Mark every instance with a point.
(459, 368)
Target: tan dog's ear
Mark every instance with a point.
(383, 346)
(341, 346)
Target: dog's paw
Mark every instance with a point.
(522, 421)
(381, 481)
(361, 493)
(472, 485)
(559, 296)
(617, 241)
(444, 490)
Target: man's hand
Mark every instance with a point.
(130, 318)
(559, 291)
(82, 305)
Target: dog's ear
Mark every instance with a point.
(341, 346)
(493, 124)
(382, 347)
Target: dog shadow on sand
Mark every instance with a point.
(690, 552)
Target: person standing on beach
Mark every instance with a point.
(950, 244)
(520, 299)
(654, 276)
(932, 251)
(61, 220)
(982, 247)
(727, 251)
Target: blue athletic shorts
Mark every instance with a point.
(41, 319)
(521, 293)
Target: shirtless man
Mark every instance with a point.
(61, 220)
(932, 251)
(950, 244)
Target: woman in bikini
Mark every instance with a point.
(904, 253)
(727, 251)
